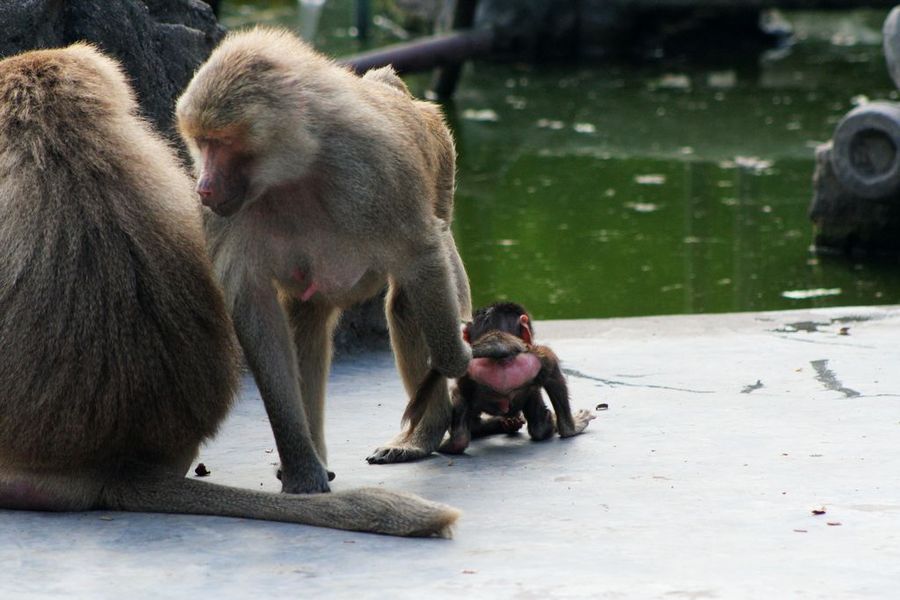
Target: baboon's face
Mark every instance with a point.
(223, 182)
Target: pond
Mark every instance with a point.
(605, 190)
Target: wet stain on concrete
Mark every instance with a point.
(855, 319)
(813, 326)
(613, 383)
(806, 326)
(828, 378)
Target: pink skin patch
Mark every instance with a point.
(504, 376)
(298, 276)
(308, 293)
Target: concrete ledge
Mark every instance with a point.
(723, 433)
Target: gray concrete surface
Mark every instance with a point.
(723, 433)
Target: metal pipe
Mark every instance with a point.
(425, 53)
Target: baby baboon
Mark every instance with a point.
(118, 357)
(504, 380)
(321, 187)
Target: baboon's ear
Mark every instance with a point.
(525, 329)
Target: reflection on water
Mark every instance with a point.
(616, 190)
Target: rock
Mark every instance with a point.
(599, 29)
(531, 28)
(28, 24)
(159, 42)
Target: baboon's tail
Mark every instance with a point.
(364, 509)
(416, 408)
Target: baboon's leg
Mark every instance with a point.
(411, 355)
(313, 326)
(538, 416)
(263, 331)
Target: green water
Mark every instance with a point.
(649, 188)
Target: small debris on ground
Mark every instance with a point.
(755, 386)
(801, 531)
(818, 511)
(602, 406)
(834, 523)
(201, 470)
(844, 331)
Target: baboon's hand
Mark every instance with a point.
(511, 425)
(581, 418)
(452, 362)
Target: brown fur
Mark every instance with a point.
(111, 320)
(493, 344)
(499, 332)
(119, 358)
(389, 77)
(316, 176)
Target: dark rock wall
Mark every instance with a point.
(159, 42)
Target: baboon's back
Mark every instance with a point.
(115, 341)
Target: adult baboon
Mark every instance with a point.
(322, 187)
